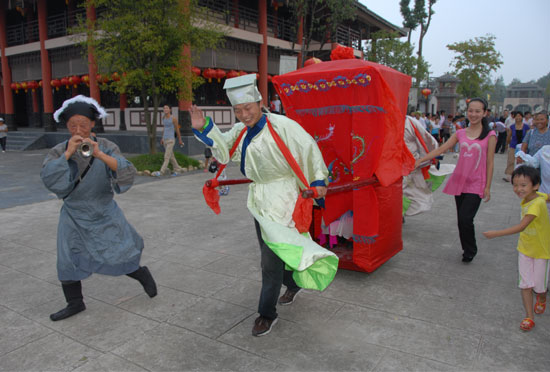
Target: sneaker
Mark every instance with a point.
(262, 326)
(289, 297)
(175, 174)
(155, 174)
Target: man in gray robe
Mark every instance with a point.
(93, 236)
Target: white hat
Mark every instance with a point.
(242, 89)
(79, 105)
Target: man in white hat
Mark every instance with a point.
(287, 257)
(93, 236)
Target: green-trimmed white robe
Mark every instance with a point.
(273, 193)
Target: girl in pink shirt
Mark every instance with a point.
(471, 179)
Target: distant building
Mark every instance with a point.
(40, 61)
(447, 97)
(524, 97)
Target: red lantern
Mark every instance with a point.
(65, 81)
(40, 83)
(241, 73)
(102, 79)
(115, 76)
(196, 71)
(312, 61)
(426, 92)
(55, 83)
(209, 73)
(86, 79)
(15, 86)
(74, 80)
(25, 86)
(277, 3)
(220, 74)
(231, 74)
(33, 85)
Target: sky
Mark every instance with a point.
(520, 26)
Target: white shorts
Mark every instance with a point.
(533, 273)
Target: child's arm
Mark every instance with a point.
(525, 221)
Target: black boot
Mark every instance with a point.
(143, 275)
(73, 295)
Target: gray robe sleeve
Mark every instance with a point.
(123, 178)
(58, 174)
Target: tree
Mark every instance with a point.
(475, 60)
(498, 90)
(144, 40)
(412, 18)
(424, 20)
(386, 48)
(321, 19)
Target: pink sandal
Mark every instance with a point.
(527, 324)
(540, 306)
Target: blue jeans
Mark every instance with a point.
(273, 276)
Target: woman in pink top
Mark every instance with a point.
(471, 179)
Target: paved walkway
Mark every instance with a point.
(423, 310)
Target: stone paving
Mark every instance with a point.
(424, 310)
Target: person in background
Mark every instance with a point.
(500, 128)
(528, 119)
(168, 141)
(3, 134)
(276, 104)
(538, 136)
(515, 136)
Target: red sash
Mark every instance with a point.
(211, 195)
(303, 210)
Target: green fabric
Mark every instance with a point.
(316, 276)
(436, 181)
(406, 204)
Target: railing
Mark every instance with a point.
(348, 37)
(247, 19)
(58, 25)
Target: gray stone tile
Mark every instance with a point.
(309, 308)
(54, 352)
(191, 280)
(210, 317)
(420, 338)
(397, 361)
(165, 305)
(242, 292)
(170, 348)
(34, 262)
(500, 355)
(307, 347)
(111, 289)
(21, 291)
(108, 362)
(239, 267)
(18, 331)
(100, 326)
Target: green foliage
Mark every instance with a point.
(497, 90)
(386, 48)
(412, 18)
(144, 40)
(153, 162)
(476, 59)
(321, 17)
